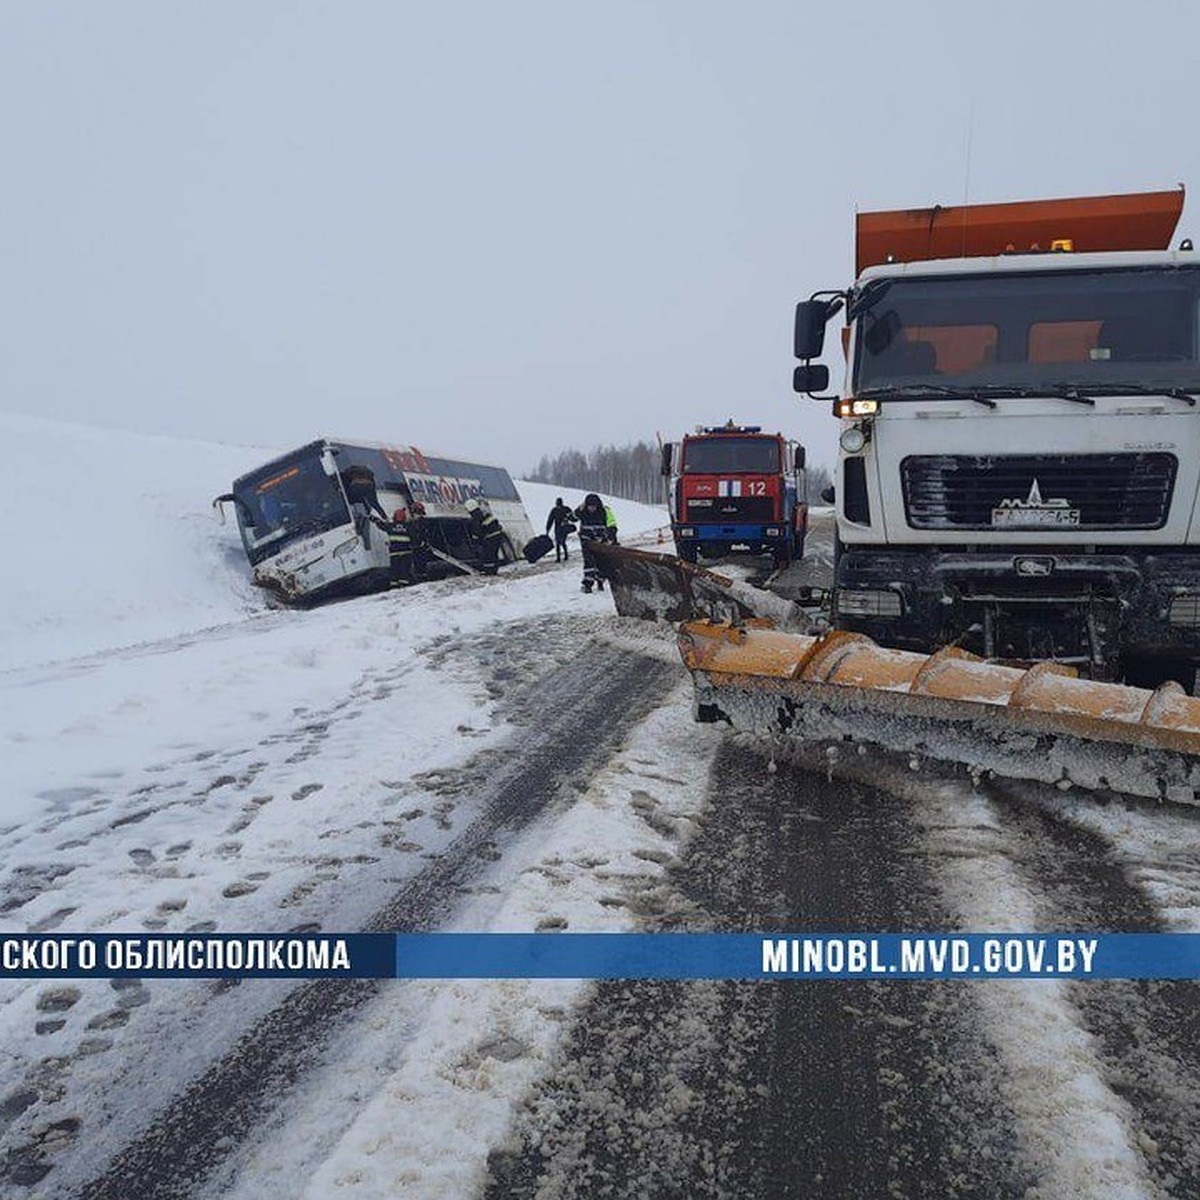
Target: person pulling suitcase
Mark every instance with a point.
(562, 521)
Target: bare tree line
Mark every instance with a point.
(631, 472)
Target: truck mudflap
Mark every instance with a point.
(660, 587)
(1042, 723)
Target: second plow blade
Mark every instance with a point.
(660, 587)
(1041, 723)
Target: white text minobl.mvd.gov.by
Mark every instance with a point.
(827, 956)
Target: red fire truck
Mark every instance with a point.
(735, 489)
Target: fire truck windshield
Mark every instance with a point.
(725, 455)
(1055, 329)
(291, 499)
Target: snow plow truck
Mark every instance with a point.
(1018, 472)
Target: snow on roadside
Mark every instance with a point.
(1075, 1131)
(1156, 845)
(113, 540)
(467, 1051)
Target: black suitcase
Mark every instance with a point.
(538, 548)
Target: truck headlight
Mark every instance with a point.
(853, 439)
(869, 604)
(849, 407)
(687, 533)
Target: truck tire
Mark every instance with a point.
(782, 556)
(687, 552)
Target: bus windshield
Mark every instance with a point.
(292, 498)
(732, 456)
(1091, 330)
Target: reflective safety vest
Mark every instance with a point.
(400, 545)
(490, 528)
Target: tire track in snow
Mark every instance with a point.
(602, 689)
(813, 1089)
(1149, 1029)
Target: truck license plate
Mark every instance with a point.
(1027, 517)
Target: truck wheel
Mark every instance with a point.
(782, 557)
(687, 552)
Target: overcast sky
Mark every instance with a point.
(502, 228)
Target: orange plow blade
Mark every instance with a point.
(1040, 723)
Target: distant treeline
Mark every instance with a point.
(631, 472)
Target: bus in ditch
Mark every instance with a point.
(313, 521)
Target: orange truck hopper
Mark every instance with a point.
(1137, 221)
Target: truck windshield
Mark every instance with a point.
(288, 500)
(731, 455)
(1095, 330)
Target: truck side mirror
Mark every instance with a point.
(811, 316)
(668, 449)
(811, 377)
(798, 459)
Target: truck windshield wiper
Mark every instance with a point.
(1187, 395)
(927, 391)
(866, 297)
(1061, 391)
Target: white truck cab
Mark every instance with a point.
(1020, 443)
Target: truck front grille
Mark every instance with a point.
(728, 510)
(1038, 491)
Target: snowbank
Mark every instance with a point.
(113, 541)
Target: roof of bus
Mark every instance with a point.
(354, 444)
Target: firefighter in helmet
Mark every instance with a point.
(487, 533)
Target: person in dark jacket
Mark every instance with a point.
(488, 534)
(402, 548)
(562, 521)
(359, 483)
(593, 527)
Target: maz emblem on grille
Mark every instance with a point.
(1033, 510)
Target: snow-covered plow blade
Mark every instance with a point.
(662, 587)
(1042, 723)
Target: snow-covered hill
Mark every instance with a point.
(112, 542)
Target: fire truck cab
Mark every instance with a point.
(734, 489)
